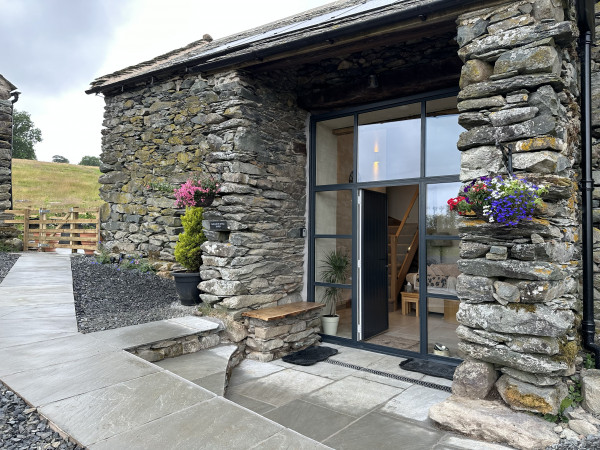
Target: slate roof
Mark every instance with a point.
(303, 29)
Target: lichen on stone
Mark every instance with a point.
(528, 401)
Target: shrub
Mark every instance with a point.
(187, 249)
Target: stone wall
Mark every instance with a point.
(596, 165)
(7, 232)
(249, 133)
(519, 285)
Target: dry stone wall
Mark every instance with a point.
(519, 285)
(595, 68)
(7, 232)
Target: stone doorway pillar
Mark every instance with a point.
(518, 288)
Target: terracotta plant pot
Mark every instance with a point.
(88, 235)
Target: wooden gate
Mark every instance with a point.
(45, 229)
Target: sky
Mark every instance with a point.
(52, 49)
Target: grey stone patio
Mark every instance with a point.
(105, 398)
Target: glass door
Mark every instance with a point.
(380, 178)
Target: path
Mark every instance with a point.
(106, 398)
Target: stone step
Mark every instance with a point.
(208, 368)
(154, 341)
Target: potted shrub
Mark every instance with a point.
(335, 269)
(189, 255)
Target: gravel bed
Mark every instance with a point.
(109, 297)
(7, 260)
(591, 442)
(21, 427)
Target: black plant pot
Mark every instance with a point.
(186, 285)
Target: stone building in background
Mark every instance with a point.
(8, 97)
(345, 129)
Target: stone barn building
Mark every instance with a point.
(346, 129)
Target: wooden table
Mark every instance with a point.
(409, 298)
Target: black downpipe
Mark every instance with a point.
(588, 326)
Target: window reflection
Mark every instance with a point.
(441, 155)
(440, 220)
(389, 143)
(333, 212)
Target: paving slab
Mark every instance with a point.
(376, 431)
(250, 369)
(197, 323)
(414, 402)
(250, 403)
(50, 352)
(57, 382)
(356, 356)
(288, 439)
(352, 396)
(281, 387)
(32, 295)
(41, 310)
(195, 365)
(310, 420)
(105, 412)
(214, 424)
(136, 335)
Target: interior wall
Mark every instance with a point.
(398, 201)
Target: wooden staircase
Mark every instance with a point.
(403, 242)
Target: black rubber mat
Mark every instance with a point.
(310, 356)
(432, 368)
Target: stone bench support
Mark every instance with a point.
(281, 330)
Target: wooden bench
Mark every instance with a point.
(280, 330)
(282, 311)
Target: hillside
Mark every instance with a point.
(51, 185)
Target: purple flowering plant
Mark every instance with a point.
(195, 191)
(506, 200)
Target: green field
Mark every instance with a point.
(49, 185)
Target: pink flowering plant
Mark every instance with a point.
(506, 200)
(195, 192)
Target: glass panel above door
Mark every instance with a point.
(389, 143)
(335, 151)
(441, 155)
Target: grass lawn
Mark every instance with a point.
(54, 186)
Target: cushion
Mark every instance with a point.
(433, 281)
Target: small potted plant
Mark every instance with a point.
(189, 255)
(335, 269)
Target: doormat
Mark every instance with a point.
(310, 355)
(432, 368)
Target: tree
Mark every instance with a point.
(60, 159)
(25, 135)
(90, 161)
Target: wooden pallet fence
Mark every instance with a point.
(46, 230)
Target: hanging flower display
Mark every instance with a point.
(505, 200)
(195, 192)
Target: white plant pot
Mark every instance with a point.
(330, 324)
